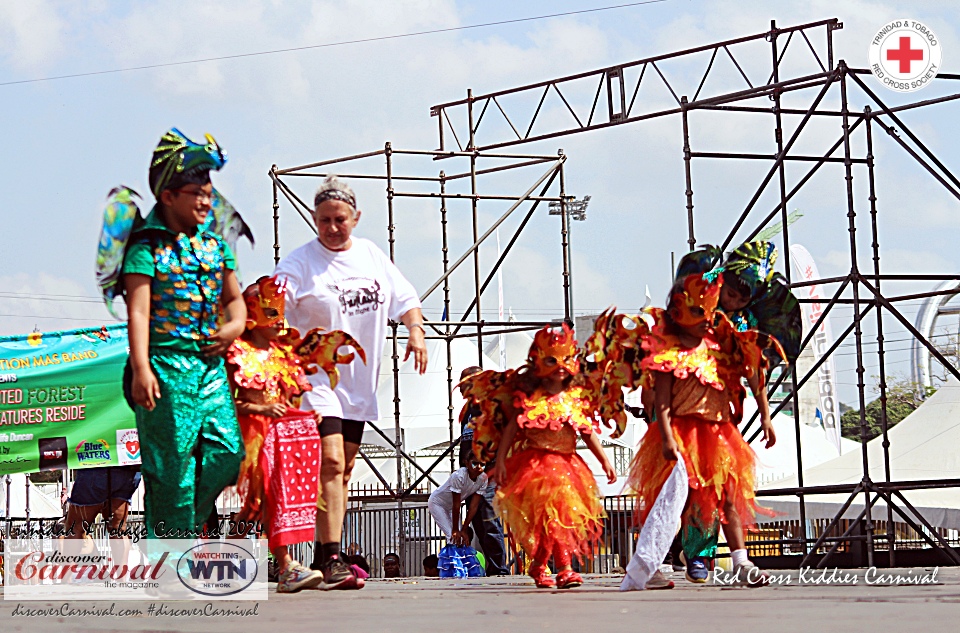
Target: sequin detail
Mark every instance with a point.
(541, 410)
(187, 285)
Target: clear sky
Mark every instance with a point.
(69, 141)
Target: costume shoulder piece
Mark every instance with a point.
(540, 410)
(120, 217)
(664, 353)
(491, 392)
(745, 353)
(612, 358)
(319, 349)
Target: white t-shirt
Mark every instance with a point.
(357, 291)
(459, 482)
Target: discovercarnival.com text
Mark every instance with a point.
(153, 609)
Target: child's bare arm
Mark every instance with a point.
(145, 388)
(593, 443)
(764, 407)
(663, 387)
(236, 317)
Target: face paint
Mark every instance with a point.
(264, 300)
(697, 302)
(552, 348)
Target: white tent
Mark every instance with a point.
(42, 506)
(516, 345)
(780, 460)
(922, 447)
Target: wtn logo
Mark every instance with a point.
(204, 569)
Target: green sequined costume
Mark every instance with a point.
(190, 443)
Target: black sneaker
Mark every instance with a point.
(339, 575)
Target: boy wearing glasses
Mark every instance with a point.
(469, 482)
(185, 309)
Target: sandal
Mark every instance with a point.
(542, 579)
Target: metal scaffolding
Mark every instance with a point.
(481, 128)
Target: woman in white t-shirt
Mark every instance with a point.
(340, 282)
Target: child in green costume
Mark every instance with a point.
(185, 309)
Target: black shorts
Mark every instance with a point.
(351, 430)
(96, 486)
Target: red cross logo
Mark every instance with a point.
(905, 55)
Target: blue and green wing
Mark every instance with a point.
(120, 216)
(226, 221)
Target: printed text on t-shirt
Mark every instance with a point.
(358, 295)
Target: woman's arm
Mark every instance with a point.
(416, 343)
(593, 443)
(663, 386)
(146, 389)
(236, 317)
(766, 424)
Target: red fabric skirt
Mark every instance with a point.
(279, 477)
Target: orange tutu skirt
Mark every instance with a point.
(720, 464)
(550, 504)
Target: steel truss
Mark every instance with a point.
(468, 123)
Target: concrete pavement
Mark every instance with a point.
(513, 604)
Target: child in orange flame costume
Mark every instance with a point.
(696, 372)
(530, 418)
(278, 477)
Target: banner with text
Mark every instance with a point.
(61, 401)
(822, 341)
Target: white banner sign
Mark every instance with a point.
(806, 270)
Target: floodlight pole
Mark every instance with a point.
(570, 210)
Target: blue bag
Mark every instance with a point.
(459, 562)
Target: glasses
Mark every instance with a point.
(199, 193)
(476, 464)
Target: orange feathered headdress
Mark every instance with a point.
(558, 344)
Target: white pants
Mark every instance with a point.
(442, 515)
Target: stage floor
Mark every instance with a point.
(513, 604)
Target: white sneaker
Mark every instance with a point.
(659, 581)
(297, 577)
(749, 575)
